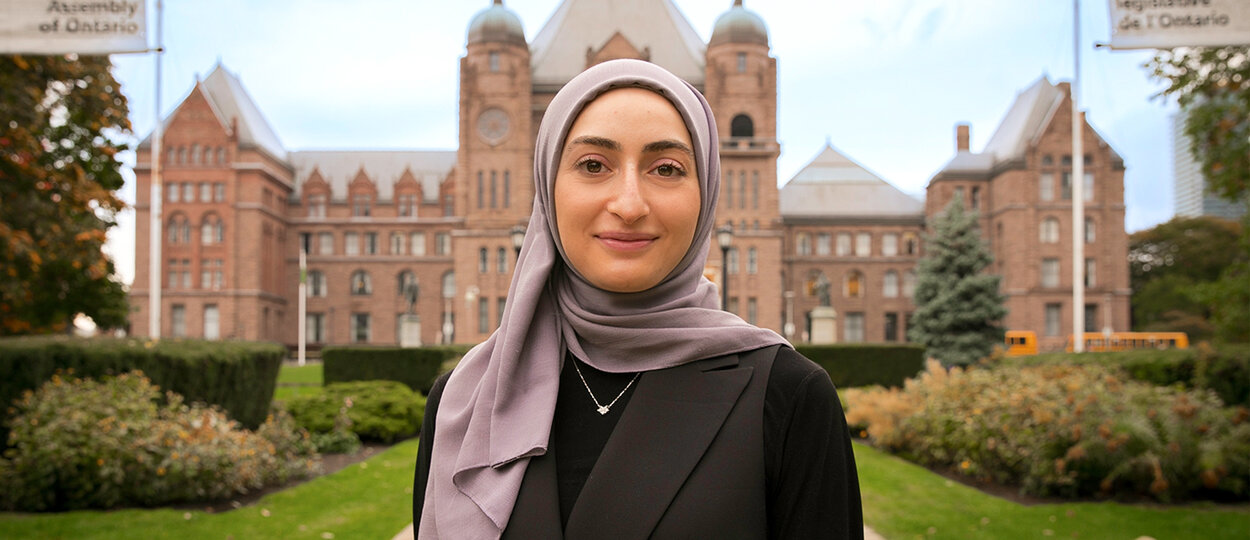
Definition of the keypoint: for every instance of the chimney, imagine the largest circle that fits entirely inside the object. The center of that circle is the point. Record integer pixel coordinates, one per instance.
(961, 137)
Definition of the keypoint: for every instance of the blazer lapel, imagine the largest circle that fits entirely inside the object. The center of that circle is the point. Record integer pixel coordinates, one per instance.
(667, 426)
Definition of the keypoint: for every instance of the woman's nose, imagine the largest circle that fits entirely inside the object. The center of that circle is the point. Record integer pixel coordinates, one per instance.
(628, 201)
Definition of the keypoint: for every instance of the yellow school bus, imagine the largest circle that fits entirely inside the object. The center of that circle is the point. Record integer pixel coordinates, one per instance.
(1125, 341)
(1021, 343)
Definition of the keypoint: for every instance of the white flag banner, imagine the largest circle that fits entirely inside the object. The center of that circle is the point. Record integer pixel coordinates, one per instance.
(1165, 24)
(83, 26)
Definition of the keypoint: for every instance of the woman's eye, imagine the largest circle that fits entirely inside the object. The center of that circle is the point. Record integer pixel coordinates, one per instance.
(592, 166)
(669, 169)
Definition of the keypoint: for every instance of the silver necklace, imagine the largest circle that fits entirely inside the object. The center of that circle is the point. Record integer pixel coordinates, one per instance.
(603, 409)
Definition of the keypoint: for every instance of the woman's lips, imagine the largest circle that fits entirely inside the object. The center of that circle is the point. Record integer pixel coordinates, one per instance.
(622, 241)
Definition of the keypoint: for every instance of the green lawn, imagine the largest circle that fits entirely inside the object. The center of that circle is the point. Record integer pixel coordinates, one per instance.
(370, 500)
(903, 501)
(309, 374)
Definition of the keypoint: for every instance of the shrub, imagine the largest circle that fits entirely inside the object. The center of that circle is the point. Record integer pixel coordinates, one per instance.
(1071, 431)
(415, 367)
(237, 376)
(382, 411)
(851, 365)
(83, 443)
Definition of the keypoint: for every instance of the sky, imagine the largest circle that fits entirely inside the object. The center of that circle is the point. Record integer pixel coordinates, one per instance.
(885, 82)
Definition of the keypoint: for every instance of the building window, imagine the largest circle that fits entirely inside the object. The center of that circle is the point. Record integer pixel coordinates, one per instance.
(500, 304)
(889, 244)
(1050, 231)
(351, 243)
(371, 243)
(1091, 317)
(449, 206)
(407, 205)
(219, 192)
(481, 261)
(1091, 231)
(188, 192)
(325, 243)
(305, 242)
(1091, 272)
(1053, 312)
(733, 305)
(449, 285)
(483, 315)
(175, 194)
(1046, 187)
(755, 190)
(418, 244)
(752, 310)
(501, 260)
(976, 198)
(1066, 186)
(890, 290)
(361, 283)
(315, 327)
(742, 193)
(742, 62)
(853, 284)
(179, 320)
(741, 126)
(507, 189)
(316, 284)
(195, 154)
(212, 324)
(212, 230)
(909, 283)
(752, 261)
(361, 205)
(494, 61)
(1050, 272)
(397, 243)
(803, 244)
(863, 244)
(406, 279)
(854, 332)
(844, 244)
(360, 328)
(911, 245)
(211, 276)
(1089, 186)
(494, 185)
(442, 244)
(481, 190)
(206, 192)
(731, 265)
(729, 189)
(823, 241)
(219, 276)
(891, 326)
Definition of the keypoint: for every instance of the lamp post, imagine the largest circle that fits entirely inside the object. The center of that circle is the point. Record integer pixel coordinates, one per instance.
(724, 237)
(518, 238)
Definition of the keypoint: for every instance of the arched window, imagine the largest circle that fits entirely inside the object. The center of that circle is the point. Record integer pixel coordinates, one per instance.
(853, 284)
(179, 230)
(406, 279)
(741, 126)
(501, 260)
(195, 154)
(449, 285)
(221, 156)
(316, 284)
(481, 261)
(182, 155)
(212, 230)
(1049, 233)
(890, 288)
(361, 284)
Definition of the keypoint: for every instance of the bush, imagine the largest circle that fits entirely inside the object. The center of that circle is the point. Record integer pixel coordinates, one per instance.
(237, 376)
(866, 364)
(1071, 431)
(382, 411)
(415, 367)
(1225, 370)
(103, 444)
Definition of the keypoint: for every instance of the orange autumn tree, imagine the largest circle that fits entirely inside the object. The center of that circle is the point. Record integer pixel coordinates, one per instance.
(60, 120)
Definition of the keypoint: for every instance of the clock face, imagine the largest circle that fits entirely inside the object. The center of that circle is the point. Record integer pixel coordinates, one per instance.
(492, 125)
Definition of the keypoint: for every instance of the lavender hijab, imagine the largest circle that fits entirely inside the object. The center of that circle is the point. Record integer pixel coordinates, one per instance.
(497, 408)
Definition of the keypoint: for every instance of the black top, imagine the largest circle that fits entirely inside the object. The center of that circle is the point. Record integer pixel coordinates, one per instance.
(807, 448)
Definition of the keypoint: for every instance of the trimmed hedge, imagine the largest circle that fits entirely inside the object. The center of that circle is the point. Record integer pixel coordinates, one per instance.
(384, 411)
(866, 364)
(1226, 370)
(416, 367)
(237, 376)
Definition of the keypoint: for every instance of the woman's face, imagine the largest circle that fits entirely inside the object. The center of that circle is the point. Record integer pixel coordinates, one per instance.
(627, 192)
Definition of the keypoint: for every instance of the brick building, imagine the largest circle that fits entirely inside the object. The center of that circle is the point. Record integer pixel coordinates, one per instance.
(239, 206)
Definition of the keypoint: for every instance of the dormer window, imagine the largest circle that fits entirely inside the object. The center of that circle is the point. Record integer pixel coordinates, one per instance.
(361, 205)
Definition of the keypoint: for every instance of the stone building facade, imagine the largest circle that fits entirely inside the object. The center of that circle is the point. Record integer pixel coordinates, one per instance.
(239, 207)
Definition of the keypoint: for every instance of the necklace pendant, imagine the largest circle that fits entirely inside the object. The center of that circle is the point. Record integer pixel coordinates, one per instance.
(603, 410)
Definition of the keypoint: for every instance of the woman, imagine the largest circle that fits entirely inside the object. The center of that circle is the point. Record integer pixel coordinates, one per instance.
(616, 400)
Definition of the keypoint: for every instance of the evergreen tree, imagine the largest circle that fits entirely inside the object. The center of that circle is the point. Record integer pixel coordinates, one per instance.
(958, 306)
(58, 174)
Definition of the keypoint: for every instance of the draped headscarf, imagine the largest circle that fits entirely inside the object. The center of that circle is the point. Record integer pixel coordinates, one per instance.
(497, 408)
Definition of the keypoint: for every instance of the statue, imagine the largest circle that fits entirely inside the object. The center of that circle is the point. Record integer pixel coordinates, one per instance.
(411, 292)
(822, 290)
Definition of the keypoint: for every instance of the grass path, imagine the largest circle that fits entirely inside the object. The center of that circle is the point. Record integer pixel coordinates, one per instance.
(904, 501)
(371, 499)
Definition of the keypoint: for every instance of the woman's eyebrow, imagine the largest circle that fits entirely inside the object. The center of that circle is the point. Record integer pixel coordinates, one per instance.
(602, 142)
(668, 144)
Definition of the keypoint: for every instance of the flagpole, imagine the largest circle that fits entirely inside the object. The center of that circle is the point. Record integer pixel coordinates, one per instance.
(155, 237)
(1078, 192)
(303, 315)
